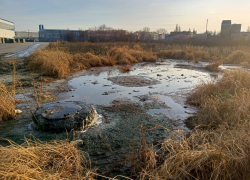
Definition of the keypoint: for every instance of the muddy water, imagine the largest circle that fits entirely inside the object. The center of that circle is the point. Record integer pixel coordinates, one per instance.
(153, 105)
(176, 79)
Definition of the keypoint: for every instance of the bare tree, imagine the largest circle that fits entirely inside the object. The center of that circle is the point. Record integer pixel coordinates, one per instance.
(102, 27)
(161, 31)
(146, 29)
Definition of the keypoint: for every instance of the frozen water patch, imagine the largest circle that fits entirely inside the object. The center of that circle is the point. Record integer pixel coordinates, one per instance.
(24, 53)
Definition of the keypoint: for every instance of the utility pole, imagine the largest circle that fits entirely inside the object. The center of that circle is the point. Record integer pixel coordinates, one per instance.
(206, 26)
(28, 33)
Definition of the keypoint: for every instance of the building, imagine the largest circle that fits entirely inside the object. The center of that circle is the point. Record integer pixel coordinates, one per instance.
(169, 37)
(7, 30)
(242, 36)
(161, 36)
(236, 28)
(188, 33)
(27, 35)
(225, 26)
(200, 36)
(155, 36)
(52, 35)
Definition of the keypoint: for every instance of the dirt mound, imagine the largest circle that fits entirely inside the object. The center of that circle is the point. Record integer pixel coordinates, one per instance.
(133, 81)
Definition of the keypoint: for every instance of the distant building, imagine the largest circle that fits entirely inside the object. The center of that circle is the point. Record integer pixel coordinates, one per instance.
(236, 28)
(225, 26)
(188, 33)
(7, 30)
(240, 36)
(181, 37)
(52, 35)
(169, 37)
(27, 35)
(161, 36)
(155, 36)
(200, 36)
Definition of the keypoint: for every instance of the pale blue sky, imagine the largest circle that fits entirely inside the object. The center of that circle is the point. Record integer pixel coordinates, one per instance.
(131, 15)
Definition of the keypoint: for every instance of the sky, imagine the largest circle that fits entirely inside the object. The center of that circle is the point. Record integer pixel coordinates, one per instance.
(131, 15)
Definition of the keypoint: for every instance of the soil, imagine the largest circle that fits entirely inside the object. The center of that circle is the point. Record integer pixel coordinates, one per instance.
(133, 81)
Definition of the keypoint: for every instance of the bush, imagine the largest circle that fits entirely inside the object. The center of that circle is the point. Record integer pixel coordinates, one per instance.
(238, 57)
(52, 63)
(7, 105)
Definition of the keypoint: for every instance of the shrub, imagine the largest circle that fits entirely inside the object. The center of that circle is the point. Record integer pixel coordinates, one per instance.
(214, 66)
(52, 63)
(7, 105)
(238, 57)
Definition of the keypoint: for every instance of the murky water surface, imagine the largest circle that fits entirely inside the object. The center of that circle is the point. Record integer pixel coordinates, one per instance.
(95, 88)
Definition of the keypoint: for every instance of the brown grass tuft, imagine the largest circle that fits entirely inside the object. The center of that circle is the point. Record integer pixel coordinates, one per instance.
(214, 66)
(187, 54)
(125, 55)
(37, 160)
(238, 57)
(205, 154)
(7, 105)
(124, 69)
(52, 63)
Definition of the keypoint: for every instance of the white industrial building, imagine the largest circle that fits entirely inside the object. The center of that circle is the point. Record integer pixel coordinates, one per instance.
(7, 30)
(27, 35)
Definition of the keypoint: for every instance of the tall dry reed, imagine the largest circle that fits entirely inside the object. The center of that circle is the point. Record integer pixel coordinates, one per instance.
(7, 105)
(37, 160)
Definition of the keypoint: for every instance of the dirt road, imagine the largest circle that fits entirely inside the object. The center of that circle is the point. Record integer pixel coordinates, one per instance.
(10, 48)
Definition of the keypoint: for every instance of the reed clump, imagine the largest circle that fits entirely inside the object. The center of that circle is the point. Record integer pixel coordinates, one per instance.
(125, 55)
(7, 105)
(52, 63)
(124, 69)
(59, 63)
(224, 101)
(238, 57)
(37, 160)
(188, 54)
(206, 154)
(214, 66)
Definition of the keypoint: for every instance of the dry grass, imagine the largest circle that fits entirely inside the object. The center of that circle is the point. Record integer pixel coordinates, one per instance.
(224, 101)
(188, 54)
(205, 154)
(219, 146)
(238, 57)
(125, 55)
(7, 105)
(59, 63)
(124, 69)
(37, 160)
(214, 66)
(232, 83)
(52, 63)
(59, 59)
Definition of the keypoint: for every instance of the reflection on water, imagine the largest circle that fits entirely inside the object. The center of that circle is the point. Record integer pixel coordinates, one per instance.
(104, 91)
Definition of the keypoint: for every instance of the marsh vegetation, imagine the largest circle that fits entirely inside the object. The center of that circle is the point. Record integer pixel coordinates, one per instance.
(216, 148)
